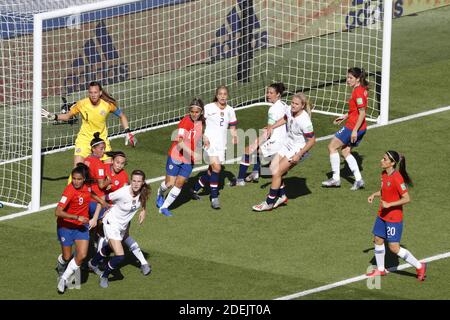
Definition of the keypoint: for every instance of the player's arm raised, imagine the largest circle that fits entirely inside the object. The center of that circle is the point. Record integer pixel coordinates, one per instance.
(55, 116)
(130, 139)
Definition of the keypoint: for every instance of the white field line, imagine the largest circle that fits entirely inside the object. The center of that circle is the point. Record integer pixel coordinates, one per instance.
(407, 118)
(356, 279)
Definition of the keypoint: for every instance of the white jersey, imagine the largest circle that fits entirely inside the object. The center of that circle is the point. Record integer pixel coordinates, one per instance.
(299, 128)
(275, 113)
(216, 124)
(123, 209)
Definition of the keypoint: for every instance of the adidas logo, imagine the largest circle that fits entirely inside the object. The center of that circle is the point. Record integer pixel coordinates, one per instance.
(357, 2)
(228, 35)
(99, 62)
(367, 13)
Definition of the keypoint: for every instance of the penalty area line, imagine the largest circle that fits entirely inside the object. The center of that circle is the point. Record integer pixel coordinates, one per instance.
(407, 118)
(358, 278)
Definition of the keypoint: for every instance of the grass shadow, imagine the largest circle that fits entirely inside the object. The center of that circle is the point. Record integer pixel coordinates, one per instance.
(295, 187)
(345, 172)
(55, 179)
(185, 194)
(391, 260)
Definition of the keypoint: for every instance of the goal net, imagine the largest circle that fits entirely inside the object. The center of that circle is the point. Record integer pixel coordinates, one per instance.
(154, 56)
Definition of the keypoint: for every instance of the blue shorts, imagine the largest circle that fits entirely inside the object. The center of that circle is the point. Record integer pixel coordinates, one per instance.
(390, 231)
(68, 236)
(345, 135)
(92, 207)
(177, 168)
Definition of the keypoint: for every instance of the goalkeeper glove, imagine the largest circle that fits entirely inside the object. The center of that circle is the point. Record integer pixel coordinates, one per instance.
(130, 139)
(48, 115)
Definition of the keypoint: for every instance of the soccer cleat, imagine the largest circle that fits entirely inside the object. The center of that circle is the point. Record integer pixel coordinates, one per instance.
(165, 212)
(194, 195)
(146, 269)
(252, 177)
(357, 185)
(159, 201)
(215, 204)
(263, 206)
(61, 286)
(331, 183)
(280, 201)
(376, 272)
(104, 282)
(421, 272)
(94, 269)
(237, 182)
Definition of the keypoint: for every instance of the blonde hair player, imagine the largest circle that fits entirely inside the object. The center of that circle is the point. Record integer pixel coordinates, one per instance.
(300, 139)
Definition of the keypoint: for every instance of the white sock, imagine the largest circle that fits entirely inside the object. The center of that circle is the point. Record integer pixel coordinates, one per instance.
(353, 165)
(379, 256)
(173, 194)
(71, 268)
(335, 161)
(100, 243)
(138, 253)
(162, 188)
(408, 257)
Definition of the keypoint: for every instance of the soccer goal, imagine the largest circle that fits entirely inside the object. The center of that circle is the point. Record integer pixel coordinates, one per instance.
(153, 56)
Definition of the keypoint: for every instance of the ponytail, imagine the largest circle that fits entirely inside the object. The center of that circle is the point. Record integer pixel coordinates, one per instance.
(105, 95)
(403, 172)
(97, 140)
(359, 73)
(401, 161)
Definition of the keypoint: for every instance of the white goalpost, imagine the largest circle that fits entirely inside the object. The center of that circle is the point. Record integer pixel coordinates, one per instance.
(154, 56)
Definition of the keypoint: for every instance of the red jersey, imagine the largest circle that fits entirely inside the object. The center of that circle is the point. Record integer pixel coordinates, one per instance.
(96, 172)
(392, 188)
(356, 102)
(118, 180)
(74, 201)
(191, 133)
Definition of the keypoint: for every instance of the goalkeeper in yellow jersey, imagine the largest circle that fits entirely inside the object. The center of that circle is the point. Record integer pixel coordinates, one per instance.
(94, 111)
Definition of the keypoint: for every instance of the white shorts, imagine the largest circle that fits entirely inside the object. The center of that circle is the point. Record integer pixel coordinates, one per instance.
(113, 231)
(270, 147)
(289, 152)
(213, 151)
